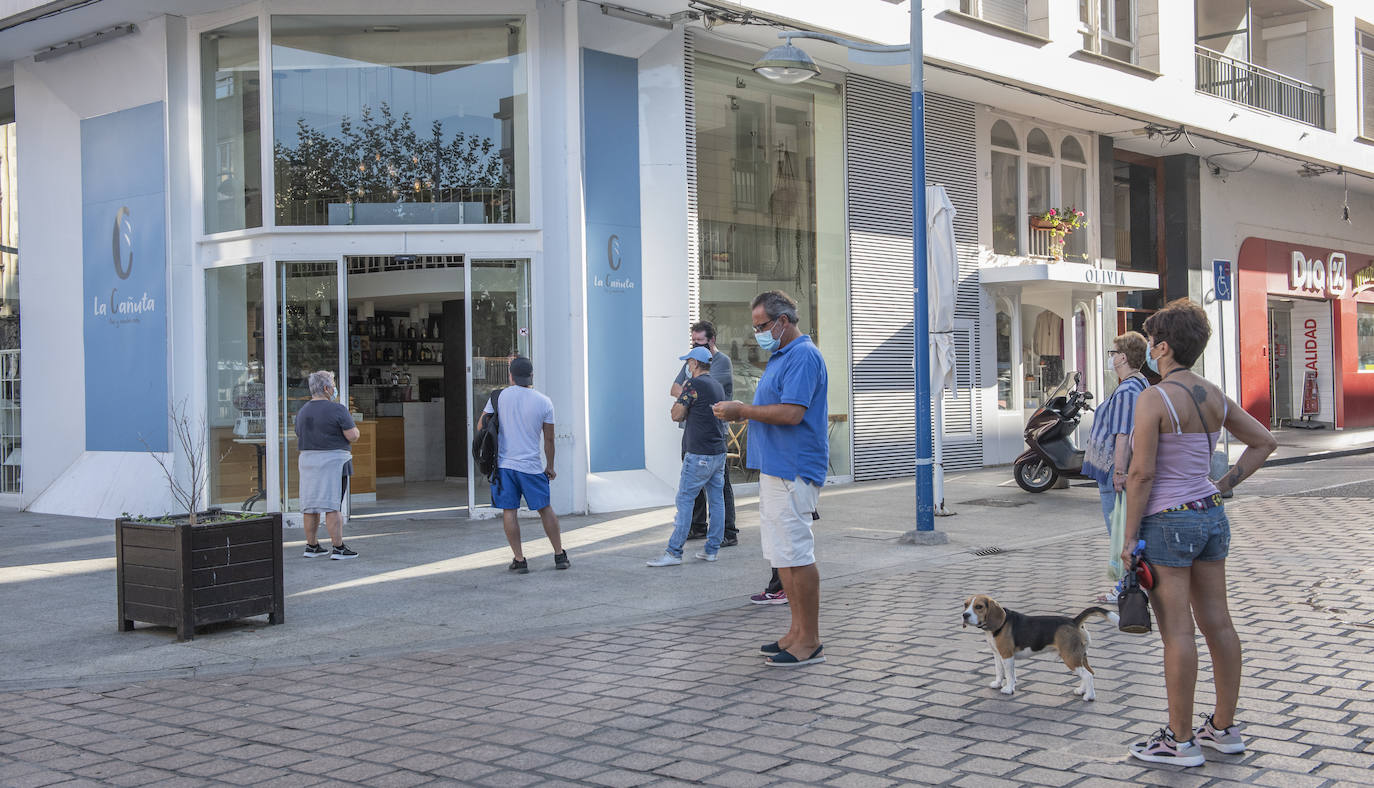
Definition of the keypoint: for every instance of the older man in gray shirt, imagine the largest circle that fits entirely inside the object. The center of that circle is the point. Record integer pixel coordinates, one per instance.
(723, 372)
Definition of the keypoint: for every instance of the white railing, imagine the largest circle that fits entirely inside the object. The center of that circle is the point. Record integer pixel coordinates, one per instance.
(1255, 86)
(1042, 243)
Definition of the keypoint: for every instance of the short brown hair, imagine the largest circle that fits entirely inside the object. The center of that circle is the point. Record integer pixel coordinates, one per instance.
(1132, 344)
(1183, 324)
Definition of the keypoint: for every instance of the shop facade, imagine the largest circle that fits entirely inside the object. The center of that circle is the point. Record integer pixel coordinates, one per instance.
(391, 197)
(1306, 318)
(410, 198)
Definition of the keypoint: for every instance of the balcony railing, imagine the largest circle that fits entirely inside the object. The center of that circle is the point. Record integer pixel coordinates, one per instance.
(1255, 86)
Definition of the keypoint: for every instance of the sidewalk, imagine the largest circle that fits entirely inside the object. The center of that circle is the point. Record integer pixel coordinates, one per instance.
(682, 696)
(440, 582)
(1298, 445)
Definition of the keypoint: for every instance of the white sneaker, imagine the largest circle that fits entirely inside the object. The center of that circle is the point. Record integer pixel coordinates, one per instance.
(705, 556)
(1164, 748)
(667, 559)
(1227, 740)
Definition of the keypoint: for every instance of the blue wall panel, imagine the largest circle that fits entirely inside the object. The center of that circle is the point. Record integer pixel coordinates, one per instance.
(615, 308)
(124, 279)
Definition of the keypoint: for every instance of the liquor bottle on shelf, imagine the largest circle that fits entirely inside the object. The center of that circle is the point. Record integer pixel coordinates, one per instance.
(410, 332)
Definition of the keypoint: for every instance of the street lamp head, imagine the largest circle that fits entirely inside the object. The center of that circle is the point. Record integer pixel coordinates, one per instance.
(786, 64)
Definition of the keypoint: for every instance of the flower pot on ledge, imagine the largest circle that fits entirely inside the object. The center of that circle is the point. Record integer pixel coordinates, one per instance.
(1044, 224)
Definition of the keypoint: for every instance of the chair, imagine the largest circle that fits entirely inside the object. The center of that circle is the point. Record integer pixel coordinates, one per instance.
(736, 443)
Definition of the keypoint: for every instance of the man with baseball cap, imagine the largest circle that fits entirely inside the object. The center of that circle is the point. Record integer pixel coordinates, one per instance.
(525, 416)
(703, 461)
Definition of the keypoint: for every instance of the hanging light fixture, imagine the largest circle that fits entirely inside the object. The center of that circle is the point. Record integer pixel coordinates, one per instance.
(786, 64)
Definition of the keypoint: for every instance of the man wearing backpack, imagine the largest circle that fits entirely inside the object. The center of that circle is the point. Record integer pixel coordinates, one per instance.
(524, 416)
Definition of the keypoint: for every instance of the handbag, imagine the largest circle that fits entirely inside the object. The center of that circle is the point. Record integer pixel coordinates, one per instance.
(1133, 604)
(1115, 567)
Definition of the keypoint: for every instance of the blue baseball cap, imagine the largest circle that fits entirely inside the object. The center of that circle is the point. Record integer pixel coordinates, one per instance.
(697, 353)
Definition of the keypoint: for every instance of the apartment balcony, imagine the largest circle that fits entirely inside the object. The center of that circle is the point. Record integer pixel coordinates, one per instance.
(1255, 86)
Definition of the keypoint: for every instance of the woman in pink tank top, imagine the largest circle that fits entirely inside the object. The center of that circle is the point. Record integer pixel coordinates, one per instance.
(1176, 509)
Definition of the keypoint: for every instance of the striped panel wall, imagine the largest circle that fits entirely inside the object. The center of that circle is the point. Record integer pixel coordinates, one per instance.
(693, 242)
(878, 162)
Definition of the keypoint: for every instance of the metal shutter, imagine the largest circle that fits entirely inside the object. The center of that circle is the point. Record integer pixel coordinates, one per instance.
(693, 242)
(878, 161)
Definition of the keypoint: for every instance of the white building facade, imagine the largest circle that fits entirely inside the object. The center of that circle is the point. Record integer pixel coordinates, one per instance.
(408, 198)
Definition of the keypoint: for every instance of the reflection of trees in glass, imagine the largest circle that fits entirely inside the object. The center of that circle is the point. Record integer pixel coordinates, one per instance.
(382, 158)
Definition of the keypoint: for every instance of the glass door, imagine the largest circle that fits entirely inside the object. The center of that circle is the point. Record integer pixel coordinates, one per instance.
(498, 329)
(308, 329)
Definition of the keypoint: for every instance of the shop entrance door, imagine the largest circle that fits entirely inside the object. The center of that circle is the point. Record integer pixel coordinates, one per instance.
(499, 328)
(309, 324)
(1280, 366)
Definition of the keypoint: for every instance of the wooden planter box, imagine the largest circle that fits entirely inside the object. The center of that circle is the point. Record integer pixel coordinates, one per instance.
(176, 575)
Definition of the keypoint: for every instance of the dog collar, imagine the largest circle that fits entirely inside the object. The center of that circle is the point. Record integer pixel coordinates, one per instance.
(998, 630)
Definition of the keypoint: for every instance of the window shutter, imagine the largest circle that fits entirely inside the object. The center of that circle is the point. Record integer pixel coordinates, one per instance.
(1367, 92)
(1011, 13)
(878, 161)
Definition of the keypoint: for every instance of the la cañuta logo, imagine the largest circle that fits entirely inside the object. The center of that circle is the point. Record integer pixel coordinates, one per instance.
(122, 248)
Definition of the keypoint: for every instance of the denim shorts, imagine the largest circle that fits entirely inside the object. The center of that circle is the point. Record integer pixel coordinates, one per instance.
(1180, 538)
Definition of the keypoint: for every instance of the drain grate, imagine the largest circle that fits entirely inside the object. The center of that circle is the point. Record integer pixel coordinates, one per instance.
(984, 552)
(1000, 503)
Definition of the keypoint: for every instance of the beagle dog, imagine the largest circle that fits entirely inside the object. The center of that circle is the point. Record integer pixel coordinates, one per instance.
(1012, 635)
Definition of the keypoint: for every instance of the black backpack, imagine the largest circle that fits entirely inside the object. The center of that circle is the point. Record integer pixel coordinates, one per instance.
(485, 443)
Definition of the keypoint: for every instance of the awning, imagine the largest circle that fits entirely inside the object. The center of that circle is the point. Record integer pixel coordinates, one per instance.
(1072, 276)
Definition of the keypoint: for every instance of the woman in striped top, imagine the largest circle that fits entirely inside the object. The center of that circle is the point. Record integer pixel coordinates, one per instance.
(1108, 445)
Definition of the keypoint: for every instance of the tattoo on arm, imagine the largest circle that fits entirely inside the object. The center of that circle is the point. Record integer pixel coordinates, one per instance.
(1234, 477)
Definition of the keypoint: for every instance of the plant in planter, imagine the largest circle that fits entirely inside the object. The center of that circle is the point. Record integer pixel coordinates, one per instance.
(197, 567)
(1059, 223)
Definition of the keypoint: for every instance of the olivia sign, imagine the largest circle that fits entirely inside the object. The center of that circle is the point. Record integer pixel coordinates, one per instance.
(1326, 278)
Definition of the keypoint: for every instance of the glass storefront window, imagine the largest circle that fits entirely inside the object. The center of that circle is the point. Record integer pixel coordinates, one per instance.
(1042, 353)
(1365, 328)
(1005, 371)
(771, 205)
(236, 406)
(400, 120)
(11, 442)
(230, 112)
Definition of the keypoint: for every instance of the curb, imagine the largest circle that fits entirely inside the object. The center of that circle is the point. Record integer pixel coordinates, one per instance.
(1319, 455)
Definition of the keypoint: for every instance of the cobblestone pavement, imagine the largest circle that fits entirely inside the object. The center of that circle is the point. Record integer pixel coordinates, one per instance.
(903, 698)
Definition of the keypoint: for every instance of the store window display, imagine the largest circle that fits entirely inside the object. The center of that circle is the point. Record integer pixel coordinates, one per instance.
(1042, 353)
(771, 206)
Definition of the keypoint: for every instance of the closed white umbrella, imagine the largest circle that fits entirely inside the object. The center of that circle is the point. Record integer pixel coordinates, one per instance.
(942, 285)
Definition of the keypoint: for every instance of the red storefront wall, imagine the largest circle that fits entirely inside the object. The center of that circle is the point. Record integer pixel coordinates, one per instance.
(1264, 269)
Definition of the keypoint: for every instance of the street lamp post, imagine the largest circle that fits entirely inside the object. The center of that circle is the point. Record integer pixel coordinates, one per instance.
(790, 65)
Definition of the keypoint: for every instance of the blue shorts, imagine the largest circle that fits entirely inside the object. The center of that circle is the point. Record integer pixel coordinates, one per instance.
(1180, 538)
(510, 485)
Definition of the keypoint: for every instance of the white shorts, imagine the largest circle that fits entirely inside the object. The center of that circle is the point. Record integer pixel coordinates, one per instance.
(785, 508)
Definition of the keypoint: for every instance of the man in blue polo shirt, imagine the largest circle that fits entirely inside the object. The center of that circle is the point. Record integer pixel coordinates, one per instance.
(789, 447)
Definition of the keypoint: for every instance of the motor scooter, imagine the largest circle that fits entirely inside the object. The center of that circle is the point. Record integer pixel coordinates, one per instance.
(1049, 436)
